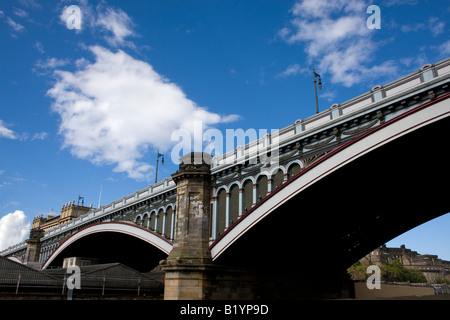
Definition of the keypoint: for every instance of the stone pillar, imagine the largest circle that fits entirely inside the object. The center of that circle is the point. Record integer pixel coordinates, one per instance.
(269, 186)
(172, 226)
(188, 264)
(33, 251)
(227, 210)
(255, 194)
(214, 218)
(33, 248)
(241, 203)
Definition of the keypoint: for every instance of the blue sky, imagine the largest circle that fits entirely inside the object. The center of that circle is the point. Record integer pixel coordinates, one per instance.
(84, 110)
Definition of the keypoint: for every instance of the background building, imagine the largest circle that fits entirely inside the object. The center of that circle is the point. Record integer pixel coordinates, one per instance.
(435, 270)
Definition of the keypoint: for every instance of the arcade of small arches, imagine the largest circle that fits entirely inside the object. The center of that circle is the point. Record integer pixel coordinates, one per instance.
(46, 251)
(160, 221)
(231, 201)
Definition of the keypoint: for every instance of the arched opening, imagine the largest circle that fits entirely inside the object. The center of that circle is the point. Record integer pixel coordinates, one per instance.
(160, 226)
(152, 222)
(168, 232)
(262, 187)
(221, 201)
(138, 220)
(293, 170)
(145, 221)
(248, 195)
(234, 204)
(112, 247)
(277, 179)
(112, 242)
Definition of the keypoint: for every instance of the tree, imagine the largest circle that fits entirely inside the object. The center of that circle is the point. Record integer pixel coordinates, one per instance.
(396, 272)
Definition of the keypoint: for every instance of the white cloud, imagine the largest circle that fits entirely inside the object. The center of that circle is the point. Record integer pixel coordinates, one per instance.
(291, 70)
(413, 28)
(434, 25)
(5, 132)
(45, 67)
(20, 13)
(51, 63)
(445, 48)
(39, 136)
(30, 3)
(337, 40)
(14, 228)
(113, 25)
(113, 110)
(39, 47)
(118, 23)
(16, 26)
(10, 134)
(328, 95)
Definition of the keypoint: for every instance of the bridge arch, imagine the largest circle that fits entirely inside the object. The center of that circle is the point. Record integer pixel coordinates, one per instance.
(277, 177)
(124, 228)
(251, 178)
(403, 132)
(262, 174)
(293, 167)
(262, 183)
(145, 220)
(169, 221)
(234, 203)
(235, 183)
(224, 187)
(159, 220)
(276, 169)
(152, 220)
(247, 194)
(170, 205)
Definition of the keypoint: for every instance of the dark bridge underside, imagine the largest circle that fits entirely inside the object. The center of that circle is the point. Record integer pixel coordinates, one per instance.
(317, 235)
(110, 247)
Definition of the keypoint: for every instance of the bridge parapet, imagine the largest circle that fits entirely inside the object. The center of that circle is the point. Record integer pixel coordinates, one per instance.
(17, 250)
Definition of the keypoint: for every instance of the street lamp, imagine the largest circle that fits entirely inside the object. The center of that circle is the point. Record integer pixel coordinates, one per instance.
(157, 161)
(315, 88)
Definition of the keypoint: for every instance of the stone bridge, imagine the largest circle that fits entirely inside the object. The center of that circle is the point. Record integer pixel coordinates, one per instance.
(264, 219)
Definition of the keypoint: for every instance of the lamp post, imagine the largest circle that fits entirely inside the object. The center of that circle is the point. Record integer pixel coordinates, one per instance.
(157, 161)
(315, 88)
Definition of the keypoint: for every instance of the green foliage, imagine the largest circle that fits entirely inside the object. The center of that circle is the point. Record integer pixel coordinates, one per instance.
(395, 271)
(442, 281)
(357, 271)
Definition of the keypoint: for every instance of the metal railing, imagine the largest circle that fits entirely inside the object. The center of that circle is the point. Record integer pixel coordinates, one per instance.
(39, 284)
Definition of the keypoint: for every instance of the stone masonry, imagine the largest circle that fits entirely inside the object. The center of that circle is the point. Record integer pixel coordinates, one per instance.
(189, 263)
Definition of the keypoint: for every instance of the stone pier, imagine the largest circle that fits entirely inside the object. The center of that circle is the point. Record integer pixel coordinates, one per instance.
(189, 265)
